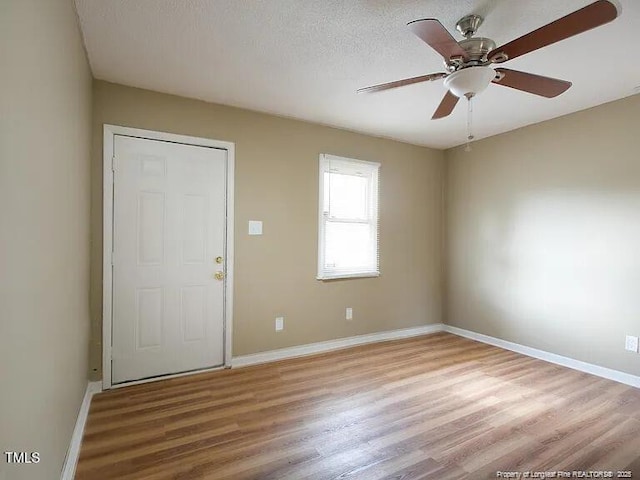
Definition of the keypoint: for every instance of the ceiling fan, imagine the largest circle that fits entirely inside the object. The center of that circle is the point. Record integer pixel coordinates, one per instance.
(468, 62)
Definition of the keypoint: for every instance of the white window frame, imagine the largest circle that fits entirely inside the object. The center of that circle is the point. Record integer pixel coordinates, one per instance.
(370, 170)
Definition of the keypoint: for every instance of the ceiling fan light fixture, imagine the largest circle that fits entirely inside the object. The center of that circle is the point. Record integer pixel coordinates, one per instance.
(469, 81)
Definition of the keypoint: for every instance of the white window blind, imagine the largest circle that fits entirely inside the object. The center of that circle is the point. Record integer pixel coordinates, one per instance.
(348, 218)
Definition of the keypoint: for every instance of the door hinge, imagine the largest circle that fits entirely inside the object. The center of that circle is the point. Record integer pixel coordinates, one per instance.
(113, 163)
(113, 258)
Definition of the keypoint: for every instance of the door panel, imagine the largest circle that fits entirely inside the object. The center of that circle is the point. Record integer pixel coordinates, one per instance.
(169, 227)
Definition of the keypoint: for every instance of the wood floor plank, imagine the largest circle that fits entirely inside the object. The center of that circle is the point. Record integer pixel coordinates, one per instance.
(432, 407)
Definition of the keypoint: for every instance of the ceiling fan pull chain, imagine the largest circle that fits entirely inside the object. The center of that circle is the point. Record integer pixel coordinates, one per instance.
(469, 122)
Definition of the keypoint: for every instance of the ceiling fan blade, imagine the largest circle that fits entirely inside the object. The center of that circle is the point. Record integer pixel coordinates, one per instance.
(402, 83)
(528, 82)
(437, 37)
(591, 16)
(446, 106)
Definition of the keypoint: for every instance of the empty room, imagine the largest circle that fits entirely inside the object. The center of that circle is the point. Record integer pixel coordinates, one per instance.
(342, 239)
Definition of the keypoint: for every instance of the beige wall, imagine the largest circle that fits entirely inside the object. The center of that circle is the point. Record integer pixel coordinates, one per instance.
(276, 182)
(45, 122)
(544, 235)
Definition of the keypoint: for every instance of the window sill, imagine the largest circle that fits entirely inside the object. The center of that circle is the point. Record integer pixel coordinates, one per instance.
(348, 275)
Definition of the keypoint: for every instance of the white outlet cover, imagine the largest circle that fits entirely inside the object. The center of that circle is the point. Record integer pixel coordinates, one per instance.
(279, 324)
(349, 313)
(255, 227)
(631, 343)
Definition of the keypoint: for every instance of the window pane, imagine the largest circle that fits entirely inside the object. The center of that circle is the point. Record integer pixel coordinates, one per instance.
(347, 196)
(348, 220)
(349, 246)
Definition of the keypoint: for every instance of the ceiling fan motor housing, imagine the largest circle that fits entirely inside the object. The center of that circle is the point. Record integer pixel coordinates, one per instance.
(477, 48)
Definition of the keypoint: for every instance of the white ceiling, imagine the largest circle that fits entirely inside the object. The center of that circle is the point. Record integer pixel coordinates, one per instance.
(306, 58)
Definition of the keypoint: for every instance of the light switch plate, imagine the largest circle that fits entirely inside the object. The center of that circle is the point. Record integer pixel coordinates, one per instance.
(631, 344)
(255, 227)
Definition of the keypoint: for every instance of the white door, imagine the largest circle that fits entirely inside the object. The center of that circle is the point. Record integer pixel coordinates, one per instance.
(168, 248)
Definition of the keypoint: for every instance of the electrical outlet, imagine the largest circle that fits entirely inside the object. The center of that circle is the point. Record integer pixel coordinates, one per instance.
(279, 324)
(631, 344)
(349, 313)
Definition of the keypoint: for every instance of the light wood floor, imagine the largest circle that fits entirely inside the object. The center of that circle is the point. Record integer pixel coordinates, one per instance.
(435, 407)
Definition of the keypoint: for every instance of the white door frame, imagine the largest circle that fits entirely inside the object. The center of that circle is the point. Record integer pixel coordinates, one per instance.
(107, 239)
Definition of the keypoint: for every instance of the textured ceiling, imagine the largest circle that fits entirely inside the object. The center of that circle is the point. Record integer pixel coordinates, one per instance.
(306, 58)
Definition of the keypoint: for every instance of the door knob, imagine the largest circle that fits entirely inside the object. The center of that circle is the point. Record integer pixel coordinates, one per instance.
(218, 259)
(219, 275)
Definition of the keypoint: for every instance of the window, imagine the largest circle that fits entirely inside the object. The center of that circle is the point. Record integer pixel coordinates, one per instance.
(348, 218)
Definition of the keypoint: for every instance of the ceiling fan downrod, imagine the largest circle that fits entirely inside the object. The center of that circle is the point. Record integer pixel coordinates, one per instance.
(468, 25)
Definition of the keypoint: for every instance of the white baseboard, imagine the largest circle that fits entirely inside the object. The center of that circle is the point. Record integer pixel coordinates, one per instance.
(71, 460)
(311, 348)
(320, 347)
(597, 370)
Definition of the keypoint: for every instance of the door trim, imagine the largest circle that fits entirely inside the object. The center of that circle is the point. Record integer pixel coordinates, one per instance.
(109, 132)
